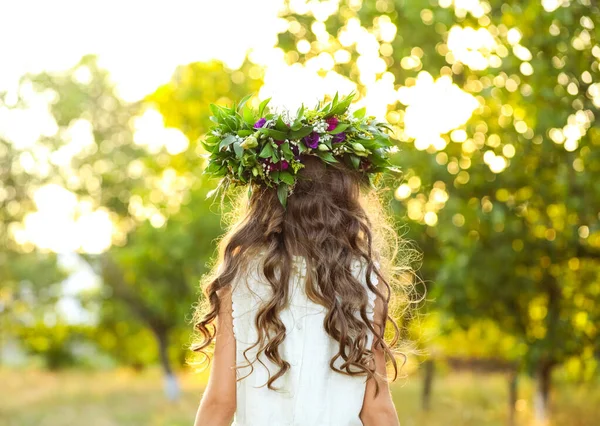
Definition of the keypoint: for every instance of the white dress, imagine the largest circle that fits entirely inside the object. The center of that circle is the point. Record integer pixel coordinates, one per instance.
(310, 393)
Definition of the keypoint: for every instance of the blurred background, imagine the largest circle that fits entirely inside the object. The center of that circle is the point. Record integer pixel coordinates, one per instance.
(105, 228)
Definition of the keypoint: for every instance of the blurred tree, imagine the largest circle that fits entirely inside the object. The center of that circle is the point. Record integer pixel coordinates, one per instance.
(506, 207)
(148, 178)
(57, 343)
(28, 277)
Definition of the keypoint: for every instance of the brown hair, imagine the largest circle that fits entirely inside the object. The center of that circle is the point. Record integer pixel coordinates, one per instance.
(332, 218)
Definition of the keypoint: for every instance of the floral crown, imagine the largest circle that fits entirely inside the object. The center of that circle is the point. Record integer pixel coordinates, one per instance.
(265, 147)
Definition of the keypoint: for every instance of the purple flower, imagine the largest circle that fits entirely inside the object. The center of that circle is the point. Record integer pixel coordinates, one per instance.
(260, 123)
(312, 140)
(283, 165)
(295, 151)
(278, 142)
(332, 123)
(340, 137)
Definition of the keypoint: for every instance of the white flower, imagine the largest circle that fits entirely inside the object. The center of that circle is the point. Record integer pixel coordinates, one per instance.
(320, 126)
(326, 137)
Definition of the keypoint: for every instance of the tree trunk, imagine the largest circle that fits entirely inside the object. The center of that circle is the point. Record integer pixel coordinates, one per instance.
(429, 370)
(512, 397)
(542, 394)
(171, 385)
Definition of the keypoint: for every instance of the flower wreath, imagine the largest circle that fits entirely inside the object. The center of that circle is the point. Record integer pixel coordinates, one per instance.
(265, 147)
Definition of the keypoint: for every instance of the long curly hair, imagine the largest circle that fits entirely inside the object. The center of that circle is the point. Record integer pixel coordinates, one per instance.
(332, 217)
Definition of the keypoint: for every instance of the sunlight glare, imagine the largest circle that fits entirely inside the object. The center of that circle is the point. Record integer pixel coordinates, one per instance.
(151, 133)
(62, 224)
(434, 108)
(471, 47)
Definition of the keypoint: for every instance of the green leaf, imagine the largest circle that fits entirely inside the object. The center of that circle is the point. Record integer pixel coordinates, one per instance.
(213, 168)
(355, 161)
(232, 122)
(244, 100)
(286, 177)
(212, 139)
(209, 147)
(280, 125)
(215, 110)
(339, 128)
(286, 151)
(282, 193)
(239, 151)
(248, 116)
(267, 151)
(342, 106)
(275, 176)
(327, 157)
(300, 113)
(262, 106)
(360, 113)
(275, 134)
(244, 133)
(228, 140)
(298, 134)
(275, 156)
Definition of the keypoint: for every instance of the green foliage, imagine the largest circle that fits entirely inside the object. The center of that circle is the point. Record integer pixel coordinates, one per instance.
(56, 344)
(150, 276)
(507, 246)
(270, 152)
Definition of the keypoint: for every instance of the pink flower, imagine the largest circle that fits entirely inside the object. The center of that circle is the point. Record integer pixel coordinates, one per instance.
(332, 123)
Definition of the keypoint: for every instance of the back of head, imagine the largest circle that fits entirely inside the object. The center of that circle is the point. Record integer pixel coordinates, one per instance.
(326, 222)
(323, 212)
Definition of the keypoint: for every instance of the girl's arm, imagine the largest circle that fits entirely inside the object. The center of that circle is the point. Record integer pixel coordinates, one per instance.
(380, 410)
(219, 399)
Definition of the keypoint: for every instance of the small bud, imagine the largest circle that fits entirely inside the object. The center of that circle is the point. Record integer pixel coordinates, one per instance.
(254, 171)
(323, 147)
(358, 147)
(249, 142)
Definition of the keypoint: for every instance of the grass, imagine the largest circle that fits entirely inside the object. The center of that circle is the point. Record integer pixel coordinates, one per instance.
(124, 398)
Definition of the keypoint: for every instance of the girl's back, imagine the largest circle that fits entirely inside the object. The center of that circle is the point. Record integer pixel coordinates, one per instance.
(297, 304)
(310, 392)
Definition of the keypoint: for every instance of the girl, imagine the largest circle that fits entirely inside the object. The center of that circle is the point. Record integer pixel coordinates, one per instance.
(299, 301)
